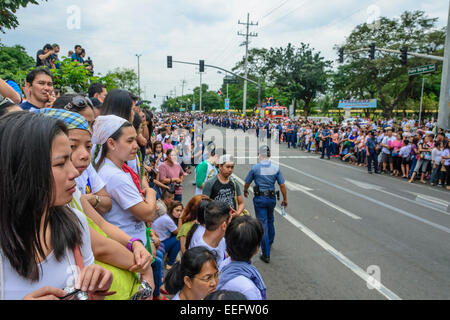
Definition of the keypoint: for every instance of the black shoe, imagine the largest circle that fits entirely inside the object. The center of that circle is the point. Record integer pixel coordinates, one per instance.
(321, 157)
(264, 258)
(369, 172)
(193, 183)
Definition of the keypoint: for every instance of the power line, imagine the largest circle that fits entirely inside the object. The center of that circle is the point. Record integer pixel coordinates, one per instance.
(275, 9)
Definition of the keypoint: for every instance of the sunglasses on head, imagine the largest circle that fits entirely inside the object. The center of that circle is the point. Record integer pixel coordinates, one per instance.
(78, 103)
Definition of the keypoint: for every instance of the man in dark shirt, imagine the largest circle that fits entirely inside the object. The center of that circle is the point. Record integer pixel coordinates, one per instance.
(43, 56)
(39, 88)
(224, 188)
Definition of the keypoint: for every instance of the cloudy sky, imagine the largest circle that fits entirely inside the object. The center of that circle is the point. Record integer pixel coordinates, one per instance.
(114, 31)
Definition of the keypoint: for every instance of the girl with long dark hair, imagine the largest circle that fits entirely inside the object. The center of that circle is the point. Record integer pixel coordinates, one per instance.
(42, 240)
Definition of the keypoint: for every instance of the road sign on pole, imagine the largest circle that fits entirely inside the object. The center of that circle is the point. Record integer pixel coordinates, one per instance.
(227, 104)
(423, 69)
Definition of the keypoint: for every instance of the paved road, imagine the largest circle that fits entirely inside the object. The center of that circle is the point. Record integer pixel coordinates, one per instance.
(351, 235)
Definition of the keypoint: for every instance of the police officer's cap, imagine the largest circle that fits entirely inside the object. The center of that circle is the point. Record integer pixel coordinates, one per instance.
(211, 147)
(264, 151)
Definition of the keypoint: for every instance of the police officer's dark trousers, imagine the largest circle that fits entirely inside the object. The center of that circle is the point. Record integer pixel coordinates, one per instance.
(372, 157)
(264, 210)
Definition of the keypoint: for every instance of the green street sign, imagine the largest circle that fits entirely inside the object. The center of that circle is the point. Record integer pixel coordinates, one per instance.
(422, 69)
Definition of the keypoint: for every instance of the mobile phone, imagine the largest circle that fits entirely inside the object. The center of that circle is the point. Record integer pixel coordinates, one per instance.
(69, 295)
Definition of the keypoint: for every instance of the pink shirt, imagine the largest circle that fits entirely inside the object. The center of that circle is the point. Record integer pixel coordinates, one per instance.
(167, 146)
(396, 144)
(175, 171)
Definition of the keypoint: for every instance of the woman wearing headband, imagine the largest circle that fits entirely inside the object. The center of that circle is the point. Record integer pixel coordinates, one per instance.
(132, 206)
(89, 183)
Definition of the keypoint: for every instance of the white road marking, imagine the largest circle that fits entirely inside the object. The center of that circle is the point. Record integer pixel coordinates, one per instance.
(338, 255)
(403, 212)
(296, 186)
(277, 157)
(307, 191)
(430, 203)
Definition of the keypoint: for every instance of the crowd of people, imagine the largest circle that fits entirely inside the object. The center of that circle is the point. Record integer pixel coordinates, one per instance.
(48, 57)
(92, 203)
(401, 148)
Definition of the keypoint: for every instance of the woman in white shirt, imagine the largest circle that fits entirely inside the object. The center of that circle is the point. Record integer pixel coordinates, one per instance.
(436, 157)
(131, 206)
(42, 241)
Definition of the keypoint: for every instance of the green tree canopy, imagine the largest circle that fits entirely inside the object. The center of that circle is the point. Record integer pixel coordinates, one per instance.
(13, 60)
(384, 77)
(122, 78)
(8, 8)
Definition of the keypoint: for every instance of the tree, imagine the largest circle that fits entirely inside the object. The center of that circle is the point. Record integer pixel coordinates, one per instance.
(300, 72)
(8, 8)
(13, 60)
(72, 75)
(122, 78)
(384, 78)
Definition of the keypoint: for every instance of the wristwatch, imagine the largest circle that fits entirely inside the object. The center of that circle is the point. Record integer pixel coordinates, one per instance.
(130, 243)
(144, 292)
(97, 201)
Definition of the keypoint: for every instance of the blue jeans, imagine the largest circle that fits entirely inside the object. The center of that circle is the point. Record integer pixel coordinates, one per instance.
(413, 166)
(157, 268)
(333, 148)
(172, 246)
(435, 174)
(264, 207)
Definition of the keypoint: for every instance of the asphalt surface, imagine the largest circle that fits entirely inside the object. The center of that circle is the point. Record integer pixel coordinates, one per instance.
(350, 235)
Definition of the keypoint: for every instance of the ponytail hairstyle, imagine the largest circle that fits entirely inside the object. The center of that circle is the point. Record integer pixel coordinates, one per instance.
(200, 219)
(190, 265)
(190, 211)
(104, 148)
(119, 103)
(27, 189)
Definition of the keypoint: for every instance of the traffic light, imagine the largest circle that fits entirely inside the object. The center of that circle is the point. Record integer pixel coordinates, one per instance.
(372, 51)
(404, 56)
(169, 61)
(341, 55)
(202, 65)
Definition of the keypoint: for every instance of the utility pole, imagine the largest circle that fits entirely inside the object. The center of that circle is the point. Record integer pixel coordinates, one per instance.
(183, 82)
(444, 99)
(201, 89)
(139, 75)
(421, 100)
(246, 35)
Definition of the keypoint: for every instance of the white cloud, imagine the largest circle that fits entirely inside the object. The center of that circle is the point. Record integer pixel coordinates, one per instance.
(114, 31)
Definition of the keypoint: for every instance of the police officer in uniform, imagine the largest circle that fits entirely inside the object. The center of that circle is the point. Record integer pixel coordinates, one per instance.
(265, 174)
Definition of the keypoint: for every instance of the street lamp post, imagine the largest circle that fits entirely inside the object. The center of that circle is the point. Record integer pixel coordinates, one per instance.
(139, 75)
